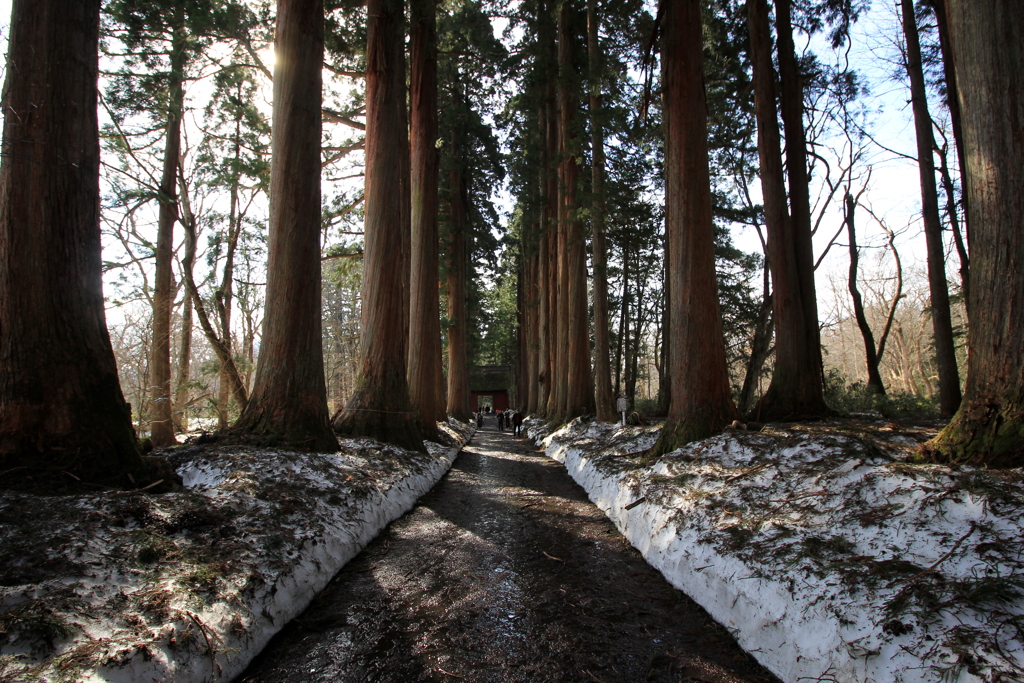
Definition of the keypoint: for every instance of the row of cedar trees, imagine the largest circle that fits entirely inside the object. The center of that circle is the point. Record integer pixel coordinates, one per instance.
(554, 336)
(62, 413)
(61, 408)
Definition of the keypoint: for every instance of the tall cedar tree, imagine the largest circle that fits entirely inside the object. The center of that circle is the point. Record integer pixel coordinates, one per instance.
(942, 323)
(551, 223)
(289, 398)
(424, 321)
(579, 387)
(61, 407)
(458, 309)
(791, 352)
(160, 408)
(701, 404)
(380, 406)
(602, 365)
(988, 429)
(797, 385)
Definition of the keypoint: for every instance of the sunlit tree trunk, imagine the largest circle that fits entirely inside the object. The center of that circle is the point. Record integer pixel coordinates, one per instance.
(988, 429)
(289, 398)
(62, 415)
(380, 406)
(701, 404)
(424, 321)
(942, 323)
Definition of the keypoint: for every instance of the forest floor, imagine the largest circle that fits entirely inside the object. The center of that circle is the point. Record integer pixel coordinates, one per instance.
(503, 572)
(189, 586)
(825, 548)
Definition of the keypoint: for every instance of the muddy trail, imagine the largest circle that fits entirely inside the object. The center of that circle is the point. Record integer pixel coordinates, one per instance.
(503, 572)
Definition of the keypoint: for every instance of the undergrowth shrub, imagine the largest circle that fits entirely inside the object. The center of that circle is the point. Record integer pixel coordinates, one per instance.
(856, 398)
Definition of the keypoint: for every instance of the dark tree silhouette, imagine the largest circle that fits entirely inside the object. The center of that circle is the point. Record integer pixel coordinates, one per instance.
(62, 415)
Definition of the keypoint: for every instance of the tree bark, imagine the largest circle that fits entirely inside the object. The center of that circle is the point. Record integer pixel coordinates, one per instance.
(942, 324)
(701, 403)
(602, 360)
(160, 411)
(380, 406)
(555, 378)
(796, 389)
(424, 320)
(579, 388)
(62, 415)
(289, 398)
(458, 370)
(988, 429)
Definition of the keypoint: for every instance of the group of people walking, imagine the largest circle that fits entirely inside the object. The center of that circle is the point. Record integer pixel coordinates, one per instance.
(507, 419)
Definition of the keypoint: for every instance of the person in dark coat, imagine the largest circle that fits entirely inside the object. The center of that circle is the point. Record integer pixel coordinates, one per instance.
(501, 421)
(517, 423)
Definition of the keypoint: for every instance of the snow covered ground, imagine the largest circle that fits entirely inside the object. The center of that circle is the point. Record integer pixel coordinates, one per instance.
(827, 552)
(189, 586)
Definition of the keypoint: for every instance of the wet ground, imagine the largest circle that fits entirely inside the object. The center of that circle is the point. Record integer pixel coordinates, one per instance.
(503, 572)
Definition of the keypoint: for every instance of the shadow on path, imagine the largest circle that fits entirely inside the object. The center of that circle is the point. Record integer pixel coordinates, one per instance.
(503, 572)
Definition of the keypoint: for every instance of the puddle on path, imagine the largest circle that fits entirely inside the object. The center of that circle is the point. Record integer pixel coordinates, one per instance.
(503, 572)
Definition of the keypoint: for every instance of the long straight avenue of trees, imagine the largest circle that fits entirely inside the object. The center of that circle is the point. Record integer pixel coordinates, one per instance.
(315, 245)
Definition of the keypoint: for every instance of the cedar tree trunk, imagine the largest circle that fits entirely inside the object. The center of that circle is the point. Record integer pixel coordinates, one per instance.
(160, 412)
(988, 429)
(579, 387)
(380, 406)
(424, 320)
(61, 408)
(796, 389)
(602, 359)
(701, 404)
(289, 397)
(458, 369)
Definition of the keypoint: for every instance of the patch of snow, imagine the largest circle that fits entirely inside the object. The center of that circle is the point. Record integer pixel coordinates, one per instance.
(827, 558)
(190, 586)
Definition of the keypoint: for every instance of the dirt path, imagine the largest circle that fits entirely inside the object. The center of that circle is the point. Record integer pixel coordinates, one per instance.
(503, 572)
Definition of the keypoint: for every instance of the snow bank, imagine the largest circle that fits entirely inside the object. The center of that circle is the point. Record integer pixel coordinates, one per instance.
(190, 586)
(827, 556)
